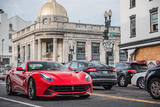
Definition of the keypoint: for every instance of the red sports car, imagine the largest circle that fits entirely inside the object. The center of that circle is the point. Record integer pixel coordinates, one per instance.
(47, 79)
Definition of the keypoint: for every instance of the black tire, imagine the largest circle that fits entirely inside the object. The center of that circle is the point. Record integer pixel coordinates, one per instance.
(140, 83)
(122, 81)
(107, 87)
(31, 89)
(154, 88)
(9, 86)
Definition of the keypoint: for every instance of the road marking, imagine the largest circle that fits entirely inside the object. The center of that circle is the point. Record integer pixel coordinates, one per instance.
(31, 105)
(125, 98)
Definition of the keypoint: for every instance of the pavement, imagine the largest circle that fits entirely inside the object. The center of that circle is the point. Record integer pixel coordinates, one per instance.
(116, 97)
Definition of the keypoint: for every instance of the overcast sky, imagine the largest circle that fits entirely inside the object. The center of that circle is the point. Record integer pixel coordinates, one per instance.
(87, 11)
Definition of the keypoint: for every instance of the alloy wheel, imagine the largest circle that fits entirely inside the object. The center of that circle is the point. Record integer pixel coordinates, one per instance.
(31, 89)
(141, 83)
(155, 88)
(122, 81)
(8, 86)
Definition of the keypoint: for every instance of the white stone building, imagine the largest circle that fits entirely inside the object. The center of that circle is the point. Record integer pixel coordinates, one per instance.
(53, 38)
(7, 27)
(140, 29)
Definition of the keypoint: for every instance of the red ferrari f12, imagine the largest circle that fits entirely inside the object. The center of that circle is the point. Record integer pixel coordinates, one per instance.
(47, 79)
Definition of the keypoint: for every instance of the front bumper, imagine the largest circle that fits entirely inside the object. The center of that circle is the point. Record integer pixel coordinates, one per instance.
(103, 82)
(45, 89)
(51, 93)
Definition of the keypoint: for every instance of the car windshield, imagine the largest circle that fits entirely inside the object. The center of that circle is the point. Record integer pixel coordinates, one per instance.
(122, 66)
(94, 64)
(38, 66)
(139, 67)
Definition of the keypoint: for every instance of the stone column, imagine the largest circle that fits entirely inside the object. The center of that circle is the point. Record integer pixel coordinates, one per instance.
(65, 50)
(102, 53)
(54, 49)
(39, 49)
(88, 51)
(75, 49)
(116, 52)
(14, 54)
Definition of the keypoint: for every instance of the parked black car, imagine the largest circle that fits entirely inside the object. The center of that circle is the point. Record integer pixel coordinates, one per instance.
(126, 70)
(102, 75)
(152, 82)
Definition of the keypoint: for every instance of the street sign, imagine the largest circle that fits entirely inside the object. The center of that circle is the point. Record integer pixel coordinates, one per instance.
(108, 45)
(112, 34)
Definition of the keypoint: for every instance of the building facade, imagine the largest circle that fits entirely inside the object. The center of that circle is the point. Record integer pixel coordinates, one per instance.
(7, 28)
(140, 29)
(53, 38)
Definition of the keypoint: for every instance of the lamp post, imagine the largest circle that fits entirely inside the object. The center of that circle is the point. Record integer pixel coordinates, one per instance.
(2, 50)
(107, 16)
(2, 54)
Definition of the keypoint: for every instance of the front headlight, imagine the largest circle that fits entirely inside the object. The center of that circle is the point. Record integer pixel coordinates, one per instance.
(87, 77)
(46, 77)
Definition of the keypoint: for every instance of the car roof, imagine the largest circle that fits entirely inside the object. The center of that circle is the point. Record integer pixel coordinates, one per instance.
(41, 61)
(134, 62)
(154, 68)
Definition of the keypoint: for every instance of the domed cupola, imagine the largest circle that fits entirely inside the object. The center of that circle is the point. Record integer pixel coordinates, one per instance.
(53, 10)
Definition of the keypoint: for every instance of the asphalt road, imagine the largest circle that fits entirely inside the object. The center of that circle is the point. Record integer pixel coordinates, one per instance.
(116, 97)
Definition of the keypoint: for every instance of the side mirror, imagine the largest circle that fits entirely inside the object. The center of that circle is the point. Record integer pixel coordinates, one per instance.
(19, 69)
(70, 68)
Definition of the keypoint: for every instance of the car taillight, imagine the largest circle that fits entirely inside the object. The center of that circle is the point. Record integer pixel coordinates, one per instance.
(3, 74)
(113, 70)
(91, 70)
(132, 71)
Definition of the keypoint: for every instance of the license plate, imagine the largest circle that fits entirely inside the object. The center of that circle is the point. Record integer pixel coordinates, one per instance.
(105, 72)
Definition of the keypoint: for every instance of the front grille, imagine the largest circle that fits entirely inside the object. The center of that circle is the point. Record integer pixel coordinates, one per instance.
(69, 88)
(47, 92)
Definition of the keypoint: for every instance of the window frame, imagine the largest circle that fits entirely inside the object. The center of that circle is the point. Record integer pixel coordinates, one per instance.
(10, 26)
(10, 36)
(6, 60)
(131, 4)
(10, 49)
(132, 18)
(98, 52)
(83, 46)
(18, 54)
(49, 46)
(153, 11)
(29, 52)
(24, 53)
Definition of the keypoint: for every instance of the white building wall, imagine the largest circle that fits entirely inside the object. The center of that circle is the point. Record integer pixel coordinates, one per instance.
(17, 24)
(142, 19)
(4, 29)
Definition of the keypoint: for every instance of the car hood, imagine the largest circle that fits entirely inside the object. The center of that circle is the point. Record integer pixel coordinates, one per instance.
(66, 77)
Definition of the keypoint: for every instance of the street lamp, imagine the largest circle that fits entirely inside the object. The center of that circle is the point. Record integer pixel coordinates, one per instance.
(2, 50)
(107, 16)
(2, 54)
